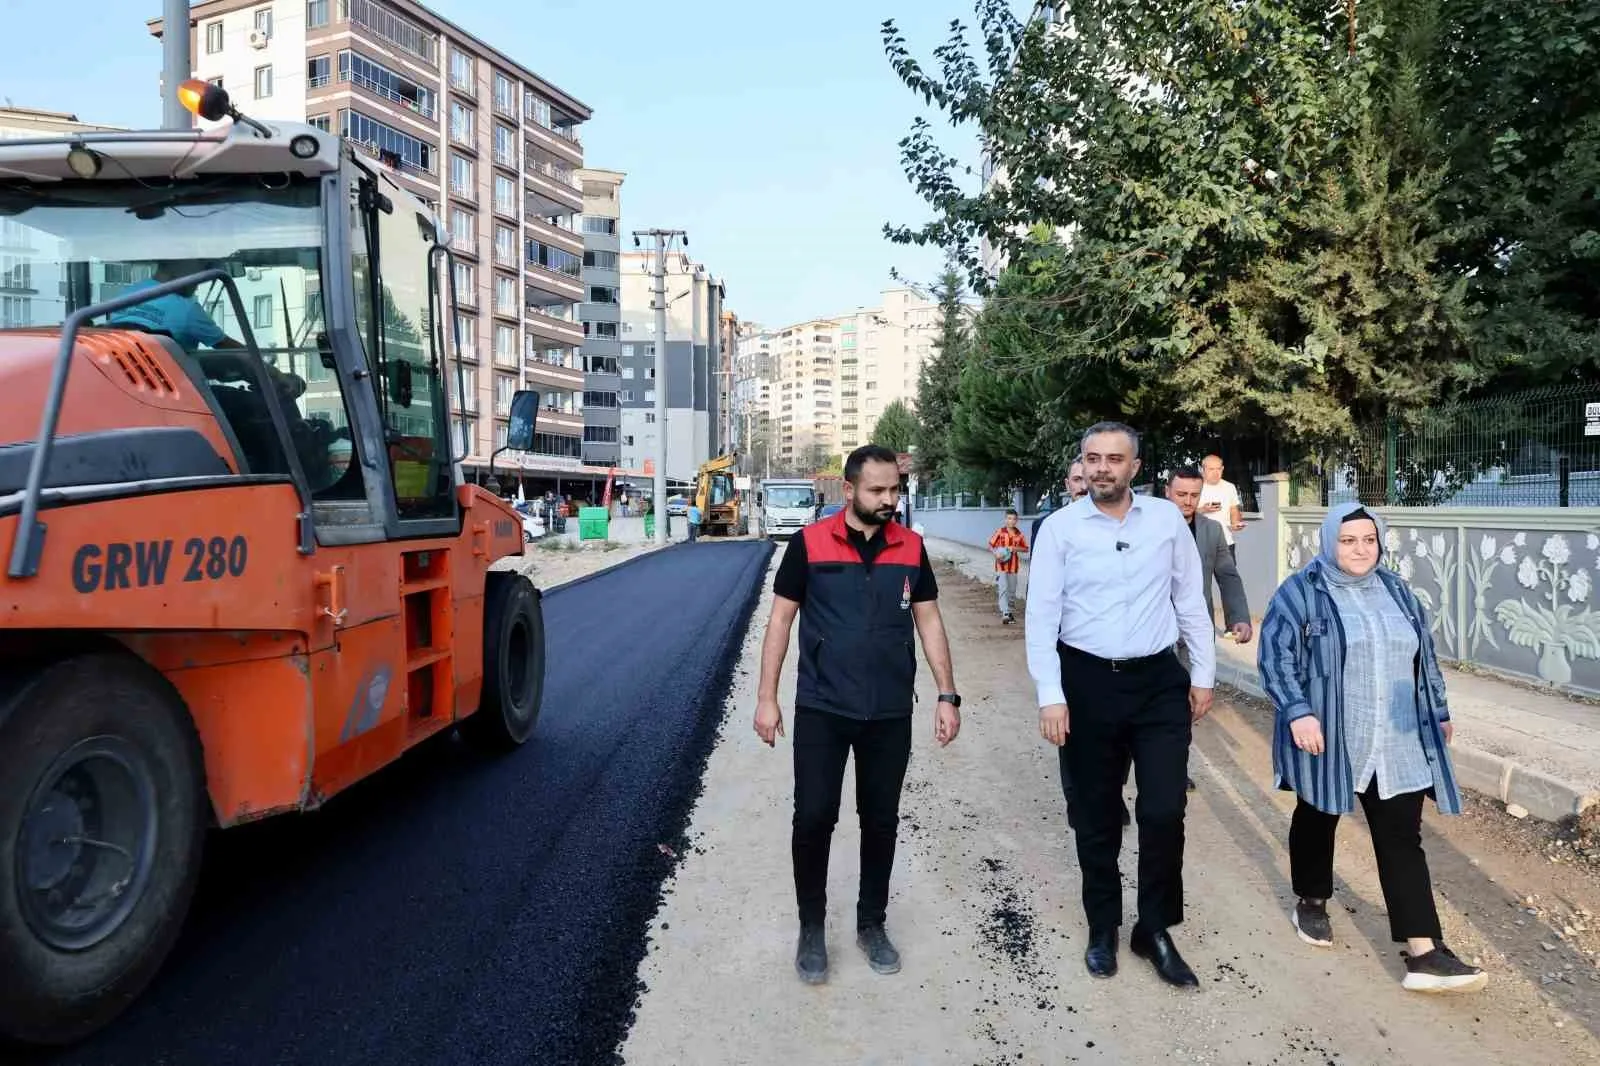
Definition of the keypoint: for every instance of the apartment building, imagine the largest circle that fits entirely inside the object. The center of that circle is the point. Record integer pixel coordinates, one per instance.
(692, 344)
(601, 314)
(881, 352)
(804, 399)
(489, 144)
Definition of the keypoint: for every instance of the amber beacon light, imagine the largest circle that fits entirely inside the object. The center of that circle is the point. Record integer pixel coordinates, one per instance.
(204, 99)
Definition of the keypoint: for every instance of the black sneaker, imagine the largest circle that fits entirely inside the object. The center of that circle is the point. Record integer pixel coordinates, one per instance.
(811, 957)
(1441, 971)
(1311, 922)
(881, 955)
(1007, 620)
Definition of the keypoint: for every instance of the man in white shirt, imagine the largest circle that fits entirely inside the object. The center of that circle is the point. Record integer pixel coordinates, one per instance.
(1219, 501)
(1115, 584)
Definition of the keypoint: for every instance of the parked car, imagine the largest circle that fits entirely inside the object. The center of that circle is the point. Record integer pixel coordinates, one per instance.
(830, 509)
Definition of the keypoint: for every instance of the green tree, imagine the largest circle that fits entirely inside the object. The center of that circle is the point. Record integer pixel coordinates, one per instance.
(939, 380)
(1520, 119)
(896, 427)
(1202, 220)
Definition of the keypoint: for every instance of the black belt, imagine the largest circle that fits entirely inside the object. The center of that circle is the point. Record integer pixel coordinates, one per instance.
(1117, 666)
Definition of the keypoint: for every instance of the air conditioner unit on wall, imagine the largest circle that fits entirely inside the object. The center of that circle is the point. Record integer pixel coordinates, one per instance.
(259, 38)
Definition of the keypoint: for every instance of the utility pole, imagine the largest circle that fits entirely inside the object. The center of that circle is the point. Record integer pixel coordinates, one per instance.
(175, 66)
(663, 240)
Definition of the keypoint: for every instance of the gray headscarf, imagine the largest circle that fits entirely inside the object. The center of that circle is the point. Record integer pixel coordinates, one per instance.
(1337, 515)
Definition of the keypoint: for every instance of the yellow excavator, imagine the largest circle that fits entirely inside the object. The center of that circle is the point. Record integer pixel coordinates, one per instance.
(721, 509)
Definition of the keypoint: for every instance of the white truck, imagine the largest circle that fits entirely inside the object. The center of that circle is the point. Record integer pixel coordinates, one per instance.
(788, 505)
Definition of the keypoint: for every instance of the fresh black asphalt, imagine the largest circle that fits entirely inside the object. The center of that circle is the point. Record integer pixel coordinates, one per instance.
(466, 909)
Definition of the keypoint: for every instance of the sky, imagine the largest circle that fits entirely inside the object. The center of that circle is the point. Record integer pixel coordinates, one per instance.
(767, 129)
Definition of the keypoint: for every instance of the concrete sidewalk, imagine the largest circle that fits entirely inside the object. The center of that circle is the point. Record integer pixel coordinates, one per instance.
(1514, 742)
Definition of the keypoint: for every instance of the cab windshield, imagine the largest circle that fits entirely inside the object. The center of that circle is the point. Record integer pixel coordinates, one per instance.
(791, 496)
(68, 245)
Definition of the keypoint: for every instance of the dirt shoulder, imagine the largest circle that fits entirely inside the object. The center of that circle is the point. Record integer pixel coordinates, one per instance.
(985, 909)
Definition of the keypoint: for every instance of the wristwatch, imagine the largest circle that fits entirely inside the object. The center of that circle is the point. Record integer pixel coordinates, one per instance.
(951, 698)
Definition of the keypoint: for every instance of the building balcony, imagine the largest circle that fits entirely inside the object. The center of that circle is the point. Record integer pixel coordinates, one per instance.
(560, 422)
(379, 22)
(558, 141)
(543, 375)
(547, 324)
(556, 190)
(553, 283)
(555, 236)
(467, 246)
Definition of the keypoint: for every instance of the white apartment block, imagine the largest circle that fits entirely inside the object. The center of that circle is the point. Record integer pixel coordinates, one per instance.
(882, 350)
(692, 361)
(803, 409)
(486, 142)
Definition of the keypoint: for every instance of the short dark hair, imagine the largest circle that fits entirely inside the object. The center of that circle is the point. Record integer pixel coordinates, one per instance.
(868, 453)
(1188, 472)
(1011, 512)
(1110, 427)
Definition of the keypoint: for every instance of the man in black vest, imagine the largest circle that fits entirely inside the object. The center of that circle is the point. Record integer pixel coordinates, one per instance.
(864, 590)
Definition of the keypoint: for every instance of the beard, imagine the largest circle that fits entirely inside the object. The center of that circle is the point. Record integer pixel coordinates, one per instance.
(872, 518)
(1111, 492)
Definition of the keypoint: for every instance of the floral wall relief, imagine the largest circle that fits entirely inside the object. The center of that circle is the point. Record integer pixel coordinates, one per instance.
(1554, 630)
(1438, 550)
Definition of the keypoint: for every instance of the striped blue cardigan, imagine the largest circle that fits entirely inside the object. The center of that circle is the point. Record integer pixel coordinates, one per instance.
(1301, 658)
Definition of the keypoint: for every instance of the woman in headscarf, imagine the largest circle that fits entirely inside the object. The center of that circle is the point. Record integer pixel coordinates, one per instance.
(1348, 660)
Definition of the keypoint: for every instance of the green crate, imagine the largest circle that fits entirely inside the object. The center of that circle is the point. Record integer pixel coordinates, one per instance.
(594, 523)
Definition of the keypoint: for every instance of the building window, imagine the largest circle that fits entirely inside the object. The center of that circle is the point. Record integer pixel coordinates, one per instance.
(461, 70)
(649, 397)
(600, 260)
(505, 145)
(505, 296)
(466, 278)
(263, 82)
(505, 95)
(505, 201)
(600, 434)
(557, 259)
(392, 146)
(505, 246)
(605, 330)
(463, 180)
(316, 13)
(379, 80)
(319, 71)
(627, 373)
(505, 344)
(319, 122)
(467, 325)
(463, 226)
(602, 294)
(599, 399)
(461, 123)
(214, 37)
(261, 318)
(592, 224)
(650, 418)
(264, 20)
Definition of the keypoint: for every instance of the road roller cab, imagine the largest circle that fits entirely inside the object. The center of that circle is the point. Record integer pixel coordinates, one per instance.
(243, 570)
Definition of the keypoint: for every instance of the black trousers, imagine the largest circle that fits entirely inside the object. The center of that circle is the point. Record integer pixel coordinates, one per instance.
(1396, 827)
(1143, 708)
(822, 743)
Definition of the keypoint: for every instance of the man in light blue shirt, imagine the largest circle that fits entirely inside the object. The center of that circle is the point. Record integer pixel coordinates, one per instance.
(1115, 585)
(694, 521)
(177, 314)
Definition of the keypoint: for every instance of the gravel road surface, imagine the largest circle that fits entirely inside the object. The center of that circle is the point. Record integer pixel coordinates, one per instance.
(465, 909)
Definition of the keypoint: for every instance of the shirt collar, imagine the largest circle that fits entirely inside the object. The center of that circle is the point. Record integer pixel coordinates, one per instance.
(1086, 509)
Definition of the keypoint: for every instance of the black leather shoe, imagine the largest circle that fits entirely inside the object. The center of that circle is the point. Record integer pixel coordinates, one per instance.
(1101, 955)
(1159, 949)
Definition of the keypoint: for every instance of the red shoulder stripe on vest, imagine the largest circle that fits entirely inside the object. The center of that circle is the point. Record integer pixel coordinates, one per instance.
(823, 546)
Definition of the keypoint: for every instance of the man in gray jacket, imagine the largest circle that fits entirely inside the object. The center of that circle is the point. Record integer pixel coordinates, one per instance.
(1183, 489)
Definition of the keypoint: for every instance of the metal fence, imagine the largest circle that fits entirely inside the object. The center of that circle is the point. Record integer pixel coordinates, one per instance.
(1533, 448)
